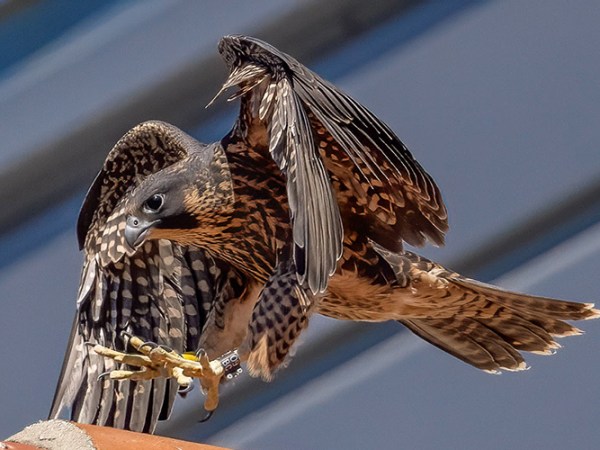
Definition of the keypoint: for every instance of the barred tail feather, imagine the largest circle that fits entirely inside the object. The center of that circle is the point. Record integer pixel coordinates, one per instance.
(530, 305)
(489, 326)
(469, 341)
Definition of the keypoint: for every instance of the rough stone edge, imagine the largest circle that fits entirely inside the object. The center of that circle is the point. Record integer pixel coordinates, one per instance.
(54, 435)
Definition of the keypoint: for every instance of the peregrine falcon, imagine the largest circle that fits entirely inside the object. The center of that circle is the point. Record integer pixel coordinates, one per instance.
(229, 248)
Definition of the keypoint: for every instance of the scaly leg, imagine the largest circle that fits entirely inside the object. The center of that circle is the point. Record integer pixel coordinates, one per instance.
(157, 361)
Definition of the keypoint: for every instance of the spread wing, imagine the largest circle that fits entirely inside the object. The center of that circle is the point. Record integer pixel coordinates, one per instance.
(161, 292)
(335, 154)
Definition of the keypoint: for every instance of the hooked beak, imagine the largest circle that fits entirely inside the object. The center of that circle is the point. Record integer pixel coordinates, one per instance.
(136, 230)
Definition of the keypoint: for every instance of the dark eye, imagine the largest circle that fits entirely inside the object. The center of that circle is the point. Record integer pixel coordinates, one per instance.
(154, 203)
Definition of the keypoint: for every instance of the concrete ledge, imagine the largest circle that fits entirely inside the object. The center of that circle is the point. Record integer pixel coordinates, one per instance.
(60, 434)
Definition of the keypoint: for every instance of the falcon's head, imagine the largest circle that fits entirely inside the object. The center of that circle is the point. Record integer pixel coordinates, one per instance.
(184, 202)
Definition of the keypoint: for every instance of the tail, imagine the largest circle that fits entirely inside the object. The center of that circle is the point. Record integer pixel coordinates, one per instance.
(483, 325)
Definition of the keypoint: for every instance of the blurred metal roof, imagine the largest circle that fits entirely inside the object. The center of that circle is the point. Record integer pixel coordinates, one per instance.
(71, 98)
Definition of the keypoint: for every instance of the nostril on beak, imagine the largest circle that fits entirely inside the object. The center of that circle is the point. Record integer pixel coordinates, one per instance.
(133, 231)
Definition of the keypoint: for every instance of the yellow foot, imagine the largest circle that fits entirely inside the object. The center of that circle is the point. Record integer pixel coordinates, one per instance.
(156, 361)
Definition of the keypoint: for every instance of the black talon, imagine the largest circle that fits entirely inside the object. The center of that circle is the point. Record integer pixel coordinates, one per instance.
(126, 334)
(150, 344)
(209, 414)
(126, 337)
(185, 390)
(104, 374)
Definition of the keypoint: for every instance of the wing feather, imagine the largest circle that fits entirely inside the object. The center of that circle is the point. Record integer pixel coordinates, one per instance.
(317, 227)
(153, 292)
(320, 137)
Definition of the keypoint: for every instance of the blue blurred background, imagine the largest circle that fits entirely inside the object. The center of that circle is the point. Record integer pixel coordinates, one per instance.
(500, 102)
